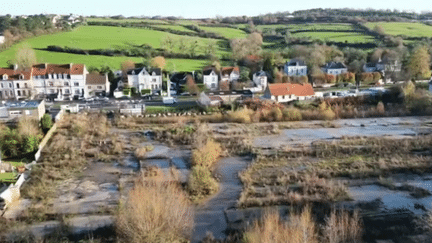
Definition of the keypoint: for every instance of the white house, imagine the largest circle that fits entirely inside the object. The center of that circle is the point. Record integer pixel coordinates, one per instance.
(142, 78)
(60, 81)
(230, 74)
(295, 68)
(97, 85)
(15, 84)
(211, 78)
(287, 92)
(382, 66)
(334, 68)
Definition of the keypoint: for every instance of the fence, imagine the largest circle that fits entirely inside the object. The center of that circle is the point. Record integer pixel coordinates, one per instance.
(12, 193)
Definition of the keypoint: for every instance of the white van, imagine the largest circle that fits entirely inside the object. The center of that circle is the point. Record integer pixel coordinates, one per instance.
(169, 100)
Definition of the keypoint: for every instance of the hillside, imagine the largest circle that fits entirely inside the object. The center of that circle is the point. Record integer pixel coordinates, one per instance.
(188, 44)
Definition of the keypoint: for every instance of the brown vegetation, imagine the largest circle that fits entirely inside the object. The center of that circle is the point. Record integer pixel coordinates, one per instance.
(155, 212)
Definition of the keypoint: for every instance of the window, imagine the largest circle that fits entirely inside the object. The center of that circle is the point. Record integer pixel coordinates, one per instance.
(213, 85)
(24, 93)
(50, 84)
(11, 93)
(89, 87)
(66, 91)
(25, 85)
(10, 85)
(27, 112)
(19, 93)
(99, 87)
(77, 91)
(66, 83)
(1, 85)
(154, 80)
(76, 84)
(18, 86)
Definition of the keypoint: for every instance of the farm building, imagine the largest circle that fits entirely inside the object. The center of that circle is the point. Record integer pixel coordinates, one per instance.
(287, 92)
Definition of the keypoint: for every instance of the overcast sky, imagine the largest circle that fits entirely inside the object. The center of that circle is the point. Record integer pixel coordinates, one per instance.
(194, 8)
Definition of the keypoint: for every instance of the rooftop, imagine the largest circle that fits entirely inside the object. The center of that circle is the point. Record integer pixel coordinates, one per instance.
(28, 104)
(291, 89)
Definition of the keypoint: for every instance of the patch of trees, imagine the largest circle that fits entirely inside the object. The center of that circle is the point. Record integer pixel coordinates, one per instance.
(144, 51)
(18, 28)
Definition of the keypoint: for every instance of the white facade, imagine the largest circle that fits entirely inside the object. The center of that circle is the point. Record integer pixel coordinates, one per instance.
(260, 79)
(211, 81)
(143, 79)
(2, 39)
(295, 68)
(334, 68)
(6, 89)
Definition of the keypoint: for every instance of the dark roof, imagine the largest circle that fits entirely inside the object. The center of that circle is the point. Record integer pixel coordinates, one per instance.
(334, 65)
(231, 92)
(136, 71)
(96, 79)
(29, 104)
(157, 71)
(296, 62)
(209, 69)
(262, 73)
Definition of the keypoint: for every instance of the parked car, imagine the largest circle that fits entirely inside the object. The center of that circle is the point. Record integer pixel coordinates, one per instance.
(169, 100)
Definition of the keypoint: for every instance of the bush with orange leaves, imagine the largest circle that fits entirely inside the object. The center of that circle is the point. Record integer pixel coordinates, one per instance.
(208, 155)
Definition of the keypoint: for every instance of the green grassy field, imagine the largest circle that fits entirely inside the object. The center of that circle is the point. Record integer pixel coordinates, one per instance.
(349, 37)
(96, 60)
(151, 21)
(407, 29)
(103, 37)
(8, 177)
(293, 27)
(175, 27)
(226, 32)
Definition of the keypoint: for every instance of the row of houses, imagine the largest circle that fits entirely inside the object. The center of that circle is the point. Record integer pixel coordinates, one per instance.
(53, 81)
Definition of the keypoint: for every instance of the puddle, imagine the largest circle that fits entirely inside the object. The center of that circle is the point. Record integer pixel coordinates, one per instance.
(392, 199)
(354, 127)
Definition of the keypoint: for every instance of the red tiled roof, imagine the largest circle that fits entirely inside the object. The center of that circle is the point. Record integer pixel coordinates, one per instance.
(215, 98)
(14, 74)
(229, 70)
(43, 69)
(291, 89)
(96, 79)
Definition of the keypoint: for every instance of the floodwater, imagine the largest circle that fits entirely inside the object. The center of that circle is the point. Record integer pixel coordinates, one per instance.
(397, 127)
(394, 199)
(212, 216)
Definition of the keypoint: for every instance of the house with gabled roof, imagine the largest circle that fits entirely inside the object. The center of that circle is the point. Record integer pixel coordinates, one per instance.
(144, 78)
(334, 68)
(97, 85)
(296, 68)
(59, 81)
(211, 77)
(15, 84)
(230, 74)
(287, 92)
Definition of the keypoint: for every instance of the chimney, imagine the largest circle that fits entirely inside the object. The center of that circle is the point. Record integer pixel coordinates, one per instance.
(15, 67)
(45, 65)
(70, 65)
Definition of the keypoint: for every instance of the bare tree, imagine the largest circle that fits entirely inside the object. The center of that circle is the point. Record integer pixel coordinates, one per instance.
(25, 57)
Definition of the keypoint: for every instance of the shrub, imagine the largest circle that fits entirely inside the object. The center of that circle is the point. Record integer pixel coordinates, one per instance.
(126, 91)
(380, 108)
(341, 227)
(155, 212)
(145, 91)
(141, 151)
(276, 114)
(330, 79)
(28, 126)
(207, 155)
(46, 123)
(300, 228)
(241, 116)
(292, 114)
(201, 182)
(328, 114)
